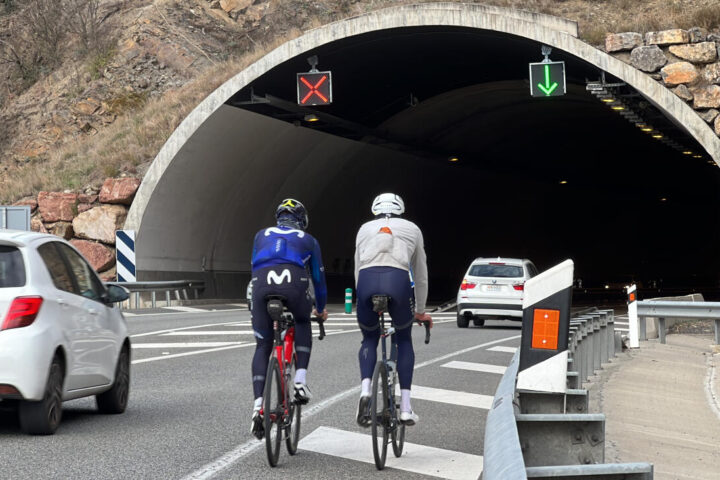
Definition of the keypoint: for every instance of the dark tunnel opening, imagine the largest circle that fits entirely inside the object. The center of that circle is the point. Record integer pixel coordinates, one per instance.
(539, 178)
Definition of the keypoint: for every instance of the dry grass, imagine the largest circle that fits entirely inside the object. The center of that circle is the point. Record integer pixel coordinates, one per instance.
(134, 139)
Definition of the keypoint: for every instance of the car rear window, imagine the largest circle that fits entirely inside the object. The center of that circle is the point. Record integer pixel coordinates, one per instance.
(498, 271)
(12, 268)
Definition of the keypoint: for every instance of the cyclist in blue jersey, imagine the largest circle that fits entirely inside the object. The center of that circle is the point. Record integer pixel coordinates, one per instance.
(284, 259)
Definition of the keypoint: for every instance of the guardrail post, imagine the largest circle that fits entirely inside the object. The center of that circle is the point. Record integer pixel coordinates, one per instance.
(642, 321)
(552, 439)
(717, 331)
(152, 295)
(167, 298)
(603, 338)
(137, 300)
(661, 329)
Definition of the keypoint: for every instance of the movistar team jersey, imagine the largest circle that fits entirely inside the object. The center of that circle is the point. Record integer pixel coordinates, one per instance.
(283, 245)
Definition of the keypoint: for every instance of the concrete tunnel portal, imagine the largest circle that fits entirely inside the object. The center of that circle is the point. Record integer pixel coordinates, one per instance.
(450, 81)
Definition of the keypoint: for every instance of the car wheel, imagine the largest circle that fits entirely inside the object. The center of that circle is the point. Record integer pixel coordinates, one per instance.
(115, 400)
(478, 322)
(462, 321)
(43, 417)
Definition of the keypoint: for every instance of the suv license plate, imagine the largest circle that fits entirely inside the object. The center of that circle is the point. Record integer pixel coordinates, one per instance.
(492, 288)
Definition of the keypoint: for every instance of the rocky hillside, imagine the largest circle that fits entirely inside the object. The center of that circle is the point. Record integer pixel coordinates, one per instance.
(92, 88)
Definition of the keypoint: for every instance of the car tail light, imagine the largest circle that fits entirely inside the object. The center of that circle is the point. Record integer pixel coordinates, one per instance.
(519, 286)
(8, 390)
(465, 285)
(22, 312)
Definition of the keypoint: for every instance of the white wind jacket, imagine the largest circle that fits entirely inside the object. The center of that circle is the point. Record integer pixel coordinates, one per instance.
(394, 242)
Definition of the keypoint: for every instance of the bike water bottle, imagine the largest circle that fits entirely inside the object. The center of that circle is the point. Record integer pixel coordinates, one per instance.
(348, 300)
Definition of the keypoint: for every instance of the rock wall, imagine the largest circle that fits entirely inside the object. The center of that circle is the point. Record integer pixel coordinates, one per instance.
(88, 220)
(685, 61)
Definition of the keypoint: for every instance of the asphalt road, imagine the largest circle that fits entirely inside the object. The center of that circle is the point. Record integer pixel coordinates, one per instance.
(191, 401)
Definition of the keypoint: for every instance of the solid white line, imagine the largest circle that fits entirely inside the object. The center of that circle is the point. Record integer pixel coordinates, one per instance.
(504, 349)
(453, 397)
(190, 333)
(211, 469)
(165, 314)
(158, 332)
(185, 354)
(421, 459)
(184, 345)
(476, 367)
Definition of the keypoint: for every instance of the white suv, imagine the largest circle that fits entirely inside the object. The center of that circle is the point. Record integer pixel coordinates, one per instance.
(61, 337)
(493, 289)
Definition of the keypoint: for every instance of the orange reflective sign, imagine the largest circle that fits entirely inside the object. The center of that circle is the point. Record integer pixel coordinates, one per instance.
(631, 297)
(546, 326)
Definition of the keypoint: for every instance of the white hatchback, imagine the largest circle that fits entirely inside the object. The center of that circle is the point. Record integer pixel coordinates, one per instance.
(61, 337)
(493, 289)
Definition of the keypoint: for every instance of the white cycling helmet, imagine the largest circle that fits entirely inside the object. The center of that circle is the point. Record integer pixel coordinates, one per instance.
(388, 204)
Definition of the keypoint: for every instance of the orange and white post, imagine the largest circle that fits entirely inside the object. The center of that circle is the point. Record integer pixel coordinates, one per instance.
(633, 316)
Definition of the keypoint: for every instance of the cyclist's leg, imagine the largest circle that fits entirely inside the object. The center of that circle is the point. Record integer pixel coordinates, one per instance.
(300, 305)
(262, 330)
(370, 328)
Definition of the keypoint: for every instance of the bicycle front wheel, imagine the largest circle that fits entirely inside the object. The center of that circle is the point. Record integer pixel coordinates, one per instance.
(379, 414)
(293, 428)
(274, 410)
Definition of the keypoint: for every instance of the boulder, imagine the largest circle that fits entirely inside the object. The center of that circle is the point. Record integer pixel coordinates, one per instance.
(100, 223)
(57, 206)
(231, 6)
(717, 126)
(87, 198)
(697, 34)
(678, 73)
(84, 207)
(36, 225)
(109, 275)
(119, 190)
(709, 115)
(648, 59)
(667, 37)
(704, 52)
(615, 42)
(62, 229)
(28, 201)
(711, 73)
(100, 257)
(707, 97)
(683, 92)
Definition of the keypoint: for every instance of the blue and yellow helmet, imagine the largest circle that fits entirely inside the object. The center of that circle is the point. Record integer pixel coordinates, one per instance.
(291, 212)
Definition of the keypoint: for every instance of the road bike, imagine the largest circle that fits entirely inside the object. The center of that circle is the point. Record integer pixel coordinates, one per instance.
(384, 403)
(281, 411)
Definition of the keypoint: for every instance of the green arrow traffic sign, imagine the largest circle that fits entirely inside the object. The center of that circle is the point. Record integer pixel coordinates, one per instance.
(547, 79)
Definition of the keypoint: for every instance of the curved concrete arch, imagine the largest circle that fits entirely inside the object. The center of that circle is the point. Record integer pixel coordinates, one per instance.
(546, 29)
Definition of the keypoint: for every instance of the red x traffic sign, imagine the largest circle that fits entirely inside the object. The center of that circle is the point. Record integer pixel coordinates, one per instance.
(314, 88)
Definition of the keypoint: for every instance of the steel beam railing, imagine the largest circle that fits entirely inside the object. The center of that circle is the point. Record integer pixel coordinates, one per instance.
(179, 289)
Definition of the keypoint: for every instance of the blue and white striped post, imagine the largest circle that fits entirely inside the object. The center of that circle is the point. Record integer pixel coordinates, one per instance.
(125, 251)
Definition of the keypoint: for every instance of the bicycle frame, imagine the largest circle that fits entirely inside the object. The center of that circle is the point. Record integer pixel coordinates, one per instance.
(384, 333)
(283, 350)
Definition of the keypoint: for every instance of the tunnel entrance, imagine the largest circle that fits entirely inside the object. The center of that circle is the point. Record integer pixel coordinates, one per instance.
(441, 115)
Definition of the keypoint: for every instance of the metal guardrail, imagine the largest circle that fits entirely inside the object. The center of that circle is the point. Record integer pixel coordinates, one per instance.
(552, 435)
(662, 309)
(180, 289)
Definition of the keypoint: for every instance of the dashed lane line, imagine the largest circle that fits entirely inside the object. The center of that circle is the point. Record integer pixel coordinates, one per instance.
(501, 348)
(476, 367)
(242, 450)
(453, 397)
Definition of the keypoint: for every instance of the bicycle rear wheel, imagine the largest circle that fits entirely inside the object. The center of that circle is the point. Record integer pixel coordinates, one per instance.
(379, 414)
(398, 439)
(295, 412)
(273, 409)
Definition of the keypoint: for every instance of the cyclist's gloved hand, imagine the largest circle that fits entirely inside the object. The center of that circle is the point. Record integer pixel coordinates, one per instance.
(324, 314)
(424, 317)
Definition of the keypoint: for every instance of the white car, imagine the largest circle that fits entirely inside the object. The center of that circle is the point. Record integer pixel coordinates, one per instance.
(493, 289)
(61, 337)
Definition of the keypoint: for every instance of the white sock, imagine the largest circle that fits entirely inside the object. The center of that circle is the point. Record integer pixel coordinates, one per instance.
(300, 375)
(405, 400)
(258, 403)
(365, 387)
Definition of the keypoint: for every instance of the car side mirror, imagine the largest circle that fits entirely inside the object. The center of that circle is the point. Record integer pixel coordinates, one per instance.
(116, 294)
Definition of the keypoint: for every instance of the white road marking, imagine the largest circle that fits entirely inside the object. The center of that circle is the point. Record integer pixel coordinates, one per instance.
(453, 397)
(190, 333)
(185, 354)
(184, 345)
(435, 462)
(501, 348)
(476, 367)
(230, 458)
(158, 332)
(185, 309)
(165, 314)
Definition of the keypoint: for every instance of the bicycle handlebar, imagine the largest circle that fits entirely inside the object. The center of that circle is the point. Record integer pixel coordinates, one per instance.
(320, 322)
(426, 323)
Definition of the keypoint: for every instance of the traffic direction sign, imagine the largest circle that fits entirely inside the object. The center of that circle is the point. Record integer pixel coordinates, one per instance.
(314, 88)
(547, 79)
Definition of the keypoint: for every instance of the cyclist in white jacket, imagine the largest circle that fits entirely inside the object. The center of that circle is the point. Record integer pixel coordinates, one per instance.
(389, 257)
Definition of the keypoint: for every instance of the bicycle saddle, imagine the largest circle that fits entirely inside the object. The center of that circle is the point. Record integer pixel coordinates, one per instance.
(275, 305)
(380, 303)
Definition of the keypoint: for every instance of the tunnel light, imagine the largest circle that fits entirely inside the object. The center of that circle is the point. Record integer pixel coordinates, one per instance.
(608, 100)
(311, 117)
(647, 129)
(657, 135)
(453, 159)
(687, 152)
(663, 199)
(697, 156)
(618, 108)
(563, 182)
